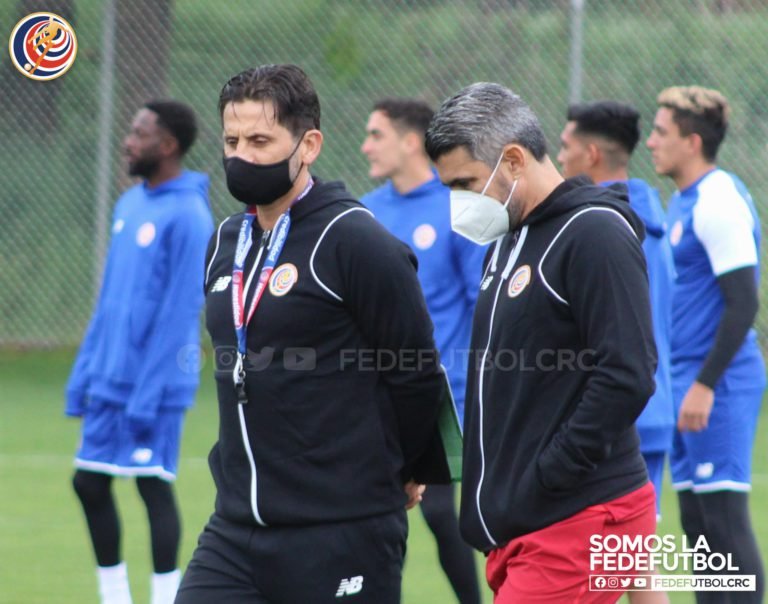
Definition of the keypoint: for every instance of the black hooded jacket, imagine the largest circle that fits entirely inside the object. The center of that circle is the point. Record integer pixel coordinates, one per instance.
(564, 362)
(342, 376)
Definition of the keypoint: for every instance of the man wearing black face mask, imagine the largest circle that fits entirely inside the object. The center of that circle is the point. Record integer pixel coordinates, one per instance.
(328, 380)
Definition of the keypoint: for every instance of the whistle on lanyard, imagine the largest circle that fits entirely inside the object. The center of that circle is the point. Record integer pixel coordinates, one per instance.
(238, 378)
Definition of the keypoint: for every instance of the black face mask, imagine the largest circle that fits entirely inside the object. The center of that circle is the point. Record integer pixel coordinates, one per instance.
(258, 184)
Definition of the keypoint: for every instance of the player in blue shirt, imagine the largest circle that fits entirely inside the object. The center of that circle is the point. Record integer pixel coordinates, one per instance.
(414, 206)
(136, 372)
(597, 141)
(718, 374)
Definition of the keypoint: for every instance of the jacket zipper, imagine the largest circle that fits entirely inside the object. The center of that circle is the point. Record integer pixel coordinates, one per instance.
(241, 407)
(514, 253)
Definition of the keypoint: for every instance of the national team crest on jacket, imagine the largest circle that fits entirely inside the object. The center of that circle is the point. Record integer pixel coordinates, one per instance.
(283, 279)
(424, 236)
(519, 280)
(43, 46)
(146, 234)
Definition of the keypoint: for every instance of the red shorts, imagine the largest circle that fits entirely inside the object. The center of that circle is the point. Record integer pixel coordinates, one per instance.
(552, 565)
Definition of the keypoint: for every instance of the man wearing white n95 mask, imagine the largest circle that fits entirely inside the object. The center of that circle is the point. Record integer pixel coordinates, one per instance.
(563, 356)
(479, 217)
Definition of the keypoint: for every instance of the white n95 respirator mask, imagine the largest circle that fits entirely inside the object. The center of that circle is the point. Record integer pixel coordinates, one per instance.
(477, 216)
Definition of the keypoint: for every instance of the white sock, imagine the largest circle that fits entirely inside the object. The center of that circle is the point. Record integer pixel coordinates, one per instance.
(113, 584)
(164, 586)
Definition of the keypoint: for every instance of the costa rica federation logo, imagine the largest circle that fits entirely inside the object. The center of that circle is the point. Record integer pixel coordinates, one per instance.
(283, 279)
(146, 234)
(43, 46)
(519, 280)
(424, 236)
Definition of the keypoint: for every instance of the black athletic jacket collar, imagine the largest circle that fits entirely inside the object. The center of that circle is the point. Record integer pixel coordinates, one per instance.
(579, 191)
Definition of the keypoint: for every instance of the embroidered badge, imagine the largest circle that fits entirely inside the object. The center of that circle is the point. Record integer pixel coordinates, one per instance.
(424, 236)
(146, 234)
(519, 280)
(283, 279)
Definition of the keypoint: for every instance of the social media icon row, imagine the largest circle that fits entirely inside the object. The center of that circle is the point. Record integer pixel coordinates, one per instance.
(618, 582)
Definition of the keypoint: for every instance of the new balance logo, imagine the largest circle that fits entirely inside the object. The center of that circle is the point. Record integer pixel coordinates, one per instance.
(221, 284)
(350, 587)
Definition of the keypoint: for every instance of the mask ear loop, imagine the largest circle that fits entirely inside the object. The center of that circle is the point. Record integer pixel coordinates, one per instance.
(490, 178)
(296, 148)
(509, 198)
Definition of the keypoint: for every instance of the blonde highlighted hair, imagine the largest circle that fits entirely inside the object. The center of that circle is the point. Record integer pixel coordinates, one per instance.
(698, 110)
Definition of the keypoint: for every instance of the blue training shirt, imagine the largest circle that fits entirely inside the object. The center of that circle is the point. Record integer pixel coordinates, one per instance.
(141, 346)
(714, 229)
(450, 267)
(656, 423)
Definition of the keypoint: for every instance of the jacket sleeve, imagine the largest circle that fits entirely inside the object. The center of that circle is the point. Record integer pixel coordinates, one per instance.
(383, 294)
(79, 378)
(178, 315)
(603, 277)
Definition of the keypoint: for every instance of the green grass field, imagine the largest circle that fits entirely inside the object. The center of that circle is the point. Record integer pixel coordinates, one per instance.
(45, 556)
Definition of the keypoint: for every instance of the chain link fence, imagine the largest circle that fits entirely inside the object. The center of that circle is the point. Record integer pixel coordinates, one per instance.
(61, 169)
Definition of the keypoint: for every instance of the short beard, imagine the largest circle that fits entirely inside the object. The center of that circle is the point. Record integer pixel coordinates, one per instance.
(515, 211)
(143, 168)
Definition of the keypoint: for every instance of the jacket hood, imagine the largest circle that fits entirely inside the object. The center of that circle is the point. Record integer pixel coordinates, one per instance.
(187, 181)
(322, 194)
(644, 200)
(579, 192)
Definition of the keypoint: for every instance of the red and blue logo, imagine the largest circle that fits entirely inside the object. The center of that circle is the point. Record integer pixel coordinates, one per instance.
(283, 279)
(43, 46)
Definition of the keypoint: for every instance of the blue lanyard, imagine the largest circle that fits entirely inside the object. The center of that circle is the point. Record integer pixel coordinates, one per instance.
(274, 243)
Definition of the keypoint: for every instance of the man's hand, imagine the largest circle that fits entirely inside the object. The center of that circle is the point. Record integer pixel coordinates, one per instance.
(696, 407)
(75, 402)
(414, 492)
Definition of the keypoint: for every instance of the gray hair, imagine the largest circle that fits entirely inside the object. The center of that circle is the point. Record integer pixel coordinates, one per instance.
(483, 118)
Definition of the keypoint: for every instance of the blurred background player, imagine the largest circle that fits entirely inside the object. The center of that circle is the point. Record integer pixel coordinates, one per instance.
(414, 205)
(136, 372)
(598, 141)
(718, 373)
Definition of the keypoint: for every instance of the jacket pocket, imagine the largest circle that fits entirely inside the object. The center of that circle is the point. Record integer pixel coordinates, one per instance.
(557, 471)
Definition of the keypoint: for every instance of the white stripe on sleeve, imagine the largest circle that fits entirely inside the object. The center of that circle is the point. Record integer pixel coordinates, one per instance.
(723, 224)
